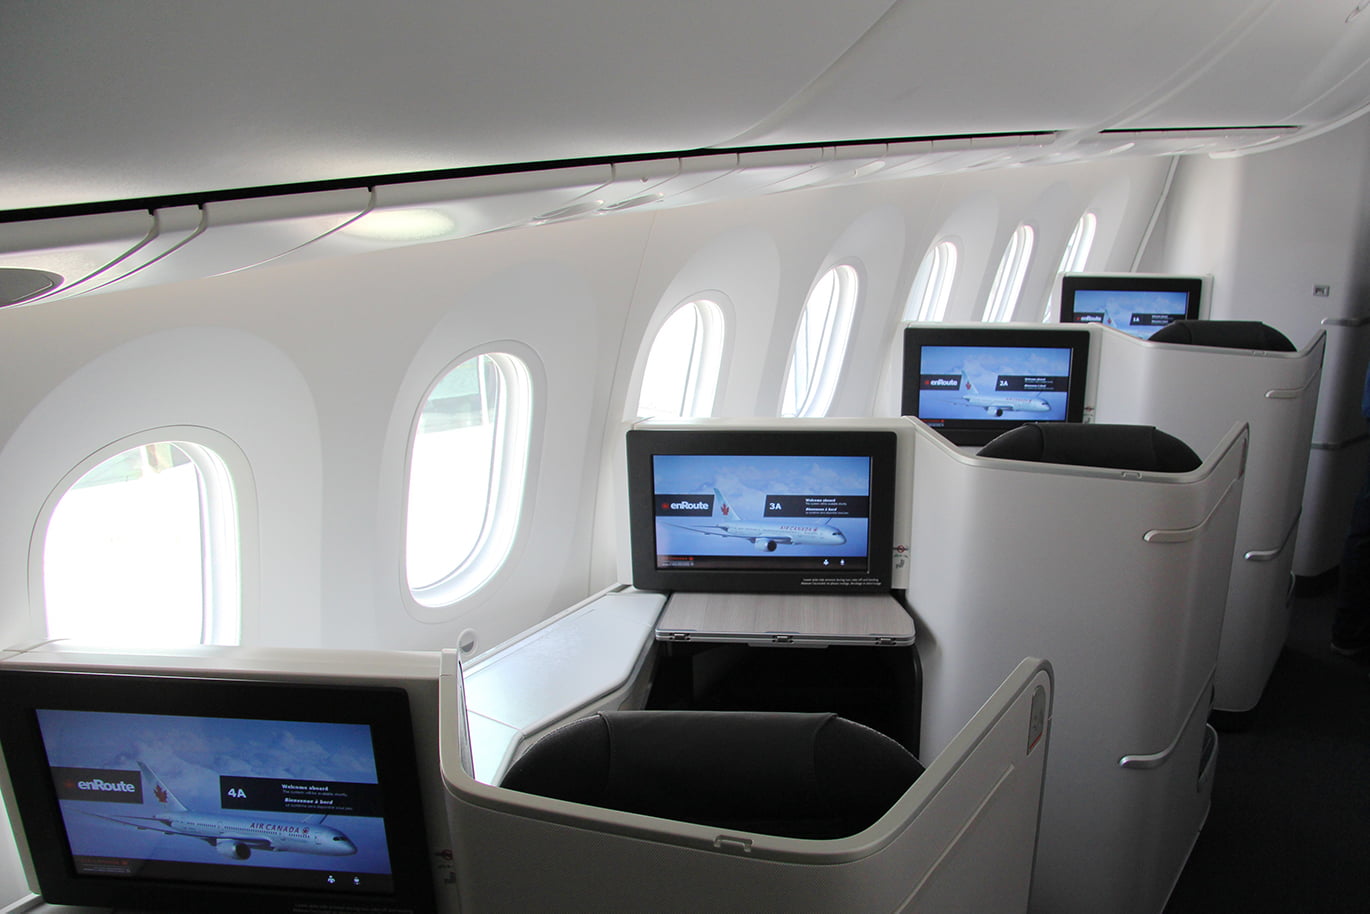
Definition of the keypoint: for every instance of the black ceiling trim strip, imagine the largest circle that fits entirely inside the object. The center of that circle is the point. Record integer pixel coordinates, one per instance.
(199, 198)
(1209, 129)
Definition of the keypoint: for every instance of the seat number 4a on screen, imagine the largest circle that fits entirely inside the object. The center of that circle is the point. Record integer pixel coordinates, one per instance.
(237, 793)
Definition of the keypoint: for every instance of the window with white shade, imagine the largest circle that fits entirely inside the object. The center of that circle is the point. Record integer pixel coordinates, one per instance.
(467, 469)
(820, 343)
(1008, 279)
(142, 549)
(681, 373)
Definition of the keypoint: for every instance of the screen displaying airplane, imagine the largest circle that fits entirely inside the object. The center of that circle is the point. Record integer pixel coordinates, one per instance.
(234, 837)
(733, 511)
(978, 382)
(1136, 312)
(196, 791)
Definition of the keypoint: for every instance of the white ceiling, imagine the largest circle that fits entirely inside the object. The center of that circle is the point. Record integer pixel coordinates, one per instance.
(106, 101)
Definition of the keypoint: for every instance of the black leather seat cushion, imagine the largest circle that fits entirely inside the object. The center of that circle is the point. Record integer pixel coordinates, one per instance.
(1224, 335)
(1122, 447)
(779, 773)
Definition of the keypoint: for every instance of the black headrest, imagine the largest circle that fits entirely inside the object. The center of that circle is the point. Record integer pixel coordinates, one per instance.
(1224, 335)
(779, 773)
(1121, 447)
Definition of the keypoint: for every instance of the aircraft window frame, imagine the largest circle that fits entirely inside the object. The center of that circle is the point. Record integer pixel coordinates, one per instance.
(819, 346)
(222, 489)
(693, 385)
(931, 290)
(508, 410)
(1008, 279)
(1073, 258)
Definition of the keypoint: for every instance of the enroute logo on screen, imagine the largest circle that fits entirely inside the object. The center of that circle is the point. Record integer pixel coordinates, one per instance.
(106, 785)
(684, 505)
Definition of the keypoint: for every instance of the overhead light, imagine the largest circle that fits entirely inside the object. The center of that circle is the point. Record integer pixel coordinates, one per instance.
(400, 225)
(869, 168)
(18, 284)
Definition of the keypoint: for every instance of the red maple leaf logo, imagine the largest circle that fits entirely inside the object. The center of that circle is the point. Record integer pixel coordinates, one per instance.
(725, 509)
(160, 792)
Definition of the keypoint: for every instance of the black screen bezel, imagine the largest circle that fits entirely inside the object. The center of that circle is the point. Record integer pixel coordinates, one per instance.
(879, 445)
(975, 432)
(1072, 283)
(385, 709)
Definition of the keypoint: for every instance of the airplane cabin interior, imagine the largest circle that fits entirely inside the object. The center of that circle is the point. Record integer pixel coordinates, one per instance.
(771, 456)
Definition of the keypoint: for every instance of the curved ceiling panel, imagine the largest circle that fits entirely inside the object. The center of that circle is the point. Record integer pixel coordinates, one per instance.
(1299, 63)
(116, 101)
(940, 67)
(75, 252)
(157, 104)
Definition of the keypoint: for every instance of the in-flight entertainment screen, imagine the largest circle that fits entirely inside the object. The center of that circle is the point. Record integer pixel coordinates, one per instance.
(761, 510)
(1138, 304)
(178, 793)
(973, 383)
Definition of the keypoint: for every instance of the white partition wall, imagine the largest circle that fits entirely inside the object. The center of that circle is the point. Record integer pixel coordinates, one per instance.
(1196, 393)
(1118, 577)
(961, 838)
(1337, 459)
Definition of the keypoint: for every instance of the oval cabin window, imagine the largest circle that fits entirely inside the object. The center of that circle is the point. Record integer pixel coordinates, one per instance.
(1073, 258)
(1008, 279)
(820, 343)
(682, 367)
(932, 286)
(143, 550)
(467, 468)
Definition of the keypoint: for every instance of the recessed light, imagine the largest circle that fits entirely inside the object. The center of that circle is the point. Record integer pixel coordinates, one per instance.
(869, 168)
(399, 225)
(18, 284)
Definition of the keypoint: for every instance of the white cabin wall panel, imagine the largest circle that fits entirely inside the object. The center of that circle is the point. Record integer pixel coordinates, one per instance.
(992, 204)
(363, 332)
(1269, 227)
(558, 293)
(815, 230)
(1052, 216)
(218, 378)
(876, 242)
(807, 227)
(1121, 205)
(972, 226)
(689, 253)
(1196, 233)
(697, 250)
(1125, 195)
